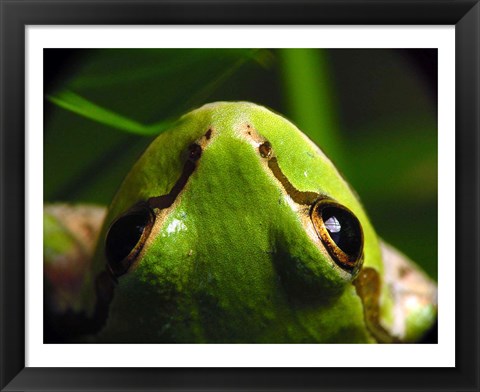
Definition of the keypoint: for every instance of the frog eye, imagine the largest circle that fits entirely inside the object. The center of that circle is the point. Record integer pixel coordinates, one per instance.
(126, 237)
(340, 232)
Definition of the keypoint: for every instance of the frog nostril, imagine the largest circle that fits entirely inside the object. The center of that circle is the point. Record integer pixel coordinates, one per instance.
(265, 150)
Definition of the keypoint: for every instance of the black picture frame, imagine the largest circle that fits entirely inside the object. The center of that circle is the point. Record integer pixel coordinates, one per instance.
(15, 15)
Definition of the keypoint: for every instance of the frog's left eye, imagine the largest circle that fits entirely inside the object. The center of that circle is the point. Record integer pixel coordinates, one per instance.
(340, 232)
(126, 237)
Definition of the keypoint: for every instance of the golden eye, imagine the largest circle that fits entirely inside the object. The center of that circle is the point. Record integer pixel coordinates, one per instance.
(340, 232)
(126, 237)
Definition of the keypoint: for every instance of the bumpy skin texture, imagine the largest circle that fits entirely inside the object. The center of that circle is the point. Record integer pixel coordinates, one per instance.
(235, 259)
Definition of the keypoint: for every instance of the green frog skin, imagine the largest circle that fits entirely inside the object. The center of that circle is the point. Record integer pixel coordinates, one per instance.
(233, 227)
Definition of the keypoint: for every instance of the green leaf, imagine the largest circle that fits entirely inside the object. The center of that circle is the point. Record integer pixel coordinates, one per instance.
(75, 103)
(310, 97)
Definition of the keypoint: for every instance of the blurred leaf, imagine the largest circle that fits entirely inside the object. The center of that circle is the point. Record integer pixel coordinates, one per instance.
(311, 98)
(75, 103)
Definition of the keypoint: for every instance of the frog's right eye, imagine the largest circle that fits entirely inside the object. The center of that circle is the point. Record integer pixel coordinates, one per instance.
(340, 232)
(126, 237)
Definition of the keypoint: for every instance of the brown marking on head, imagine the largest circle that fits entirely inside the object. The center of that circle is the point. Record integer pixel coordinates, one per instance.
(194, 152)
(368, 286)
(266, 151)
(299, 197)
(208, 135)
(250, 134)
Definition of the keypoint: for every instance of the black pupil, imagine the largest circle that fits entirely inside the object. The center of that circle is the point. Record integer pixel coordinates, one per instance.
(124, 235)
(344, 229)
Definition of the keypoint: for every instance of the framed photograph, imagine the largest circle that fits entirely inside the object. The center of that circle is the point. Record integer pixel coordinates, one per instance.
(201, 196)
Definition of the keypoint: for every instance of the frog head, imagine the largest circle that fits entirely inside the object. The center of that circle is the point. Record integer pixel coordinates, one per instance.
(234, 227)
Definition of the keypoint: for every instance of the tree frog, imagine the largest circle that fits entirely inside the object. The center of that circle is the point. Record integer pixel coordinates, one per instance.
(232, 227)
